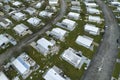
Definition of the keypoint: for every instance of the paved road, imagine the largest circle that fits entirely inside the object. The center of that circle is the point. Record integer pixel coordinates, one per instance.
(12, 51)
(105, 57)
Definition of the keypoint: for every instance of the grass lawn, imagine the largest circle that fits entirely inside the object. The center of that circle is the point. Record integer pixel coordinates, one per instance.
(119, 55)
(116, 71)
(11, 73)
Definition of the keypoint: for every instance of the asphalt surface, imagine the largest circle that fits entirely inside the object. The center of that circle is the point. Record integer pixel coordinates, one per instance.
(9, 53)
(103, 63)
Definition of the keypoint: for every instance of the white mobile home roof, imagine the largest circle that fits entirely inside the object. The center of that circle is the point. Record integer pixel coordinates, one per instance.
(17, 3)
(45, 14)
(38, 5)
(81, 40)
(91, 4)
(3, 39)
(30, 10)
(92, 28)
(75, 3)
(53, 2)
(19, 66)
(23, 63)
(53, 75)
(73, 14)
(19, 14)
(34, 21)
(118, 8)
(75, 8)
(59, 31)
(92, 10)
(94, 19)
(68, 22)
(44, 43)
(115, 3)
(5, 22)
(3, 76)
(20, 28)
(70, 56)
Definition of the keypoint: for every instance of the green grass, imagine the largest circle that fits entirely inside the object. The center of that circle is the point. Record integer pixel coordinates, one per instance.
(3, 50)
(119, 55)
(11, 73)
(116, 71)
